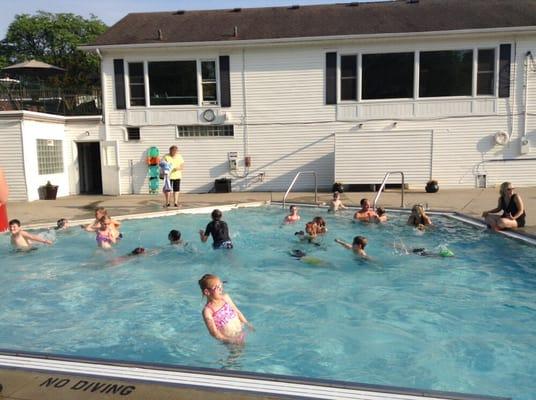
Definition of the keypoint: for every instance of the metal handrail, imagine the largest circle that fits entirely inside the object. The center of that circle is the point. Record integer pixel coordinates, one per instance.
(294, 181)
(382, 187)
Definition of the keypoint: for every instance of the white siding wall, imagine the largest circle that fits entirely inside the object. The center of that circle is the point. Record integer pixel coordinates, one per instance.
(31, 131)
(11, 158)
(288, 128)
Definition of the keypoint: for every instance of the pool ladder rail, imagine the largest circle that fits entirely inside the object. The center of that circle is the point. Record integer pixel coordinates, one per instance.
(294, 181)
(382, 187)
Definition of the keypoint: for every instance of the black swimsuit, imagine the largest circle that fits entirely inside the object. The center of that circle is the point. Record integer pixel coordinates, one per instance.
(511, 208)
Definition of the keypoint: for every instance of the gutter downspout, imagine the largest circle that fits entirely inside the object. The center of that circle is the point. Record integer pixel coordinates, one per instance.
(103, 94)
(529, 60)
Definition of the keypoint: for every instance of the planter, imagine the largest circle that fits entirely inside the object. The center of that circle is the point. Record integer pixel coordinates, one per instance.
(48, 192)
(431, 187)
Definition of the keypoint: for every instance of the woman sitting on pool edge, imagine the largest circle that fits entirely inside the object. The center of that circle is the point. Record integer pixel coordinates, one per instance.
(513, 209)
(219, 231)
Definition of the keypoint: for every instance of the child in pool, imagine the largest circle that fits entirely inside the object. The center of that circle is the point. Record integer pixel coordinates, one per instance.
(293, 216)
(61, 224)
(104, 235)
(357, 246)
(313, 229)
(381, 215)
(95, 225)
(22, 240)
(418, 217)
(219, 231)
(336, 204)
(174, 237)
(223, 319)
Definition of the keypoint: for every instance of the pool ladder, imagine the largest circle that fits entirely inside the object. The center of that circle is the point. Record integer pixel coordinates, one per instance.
(294, 181)
(382, 187)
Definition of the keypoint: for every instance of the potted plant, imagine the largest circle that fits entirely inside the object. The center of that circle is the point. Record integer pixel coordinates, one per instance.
(50, 191)
(431, 186)
(337, 187)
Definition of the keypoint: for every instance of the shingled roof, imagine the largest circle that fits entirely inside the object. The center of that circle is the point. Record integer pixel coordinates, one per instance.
(402, 16)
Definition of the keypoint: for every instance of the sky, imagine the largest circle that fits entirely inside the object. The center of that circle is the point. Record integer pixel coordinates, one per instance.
(111, 11)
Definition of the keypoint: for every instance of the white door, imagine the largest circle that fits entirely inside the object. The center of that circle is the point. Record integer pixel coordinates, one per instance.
(110, 168)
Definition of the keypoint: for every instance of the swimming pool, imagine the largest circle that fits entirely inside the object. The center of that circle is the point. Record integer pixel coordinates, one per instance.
(462, 324)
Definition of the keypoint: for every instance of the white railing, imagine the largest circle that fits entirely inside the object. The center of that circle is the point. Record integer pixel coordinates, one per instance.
(382, 187)
(294, 181)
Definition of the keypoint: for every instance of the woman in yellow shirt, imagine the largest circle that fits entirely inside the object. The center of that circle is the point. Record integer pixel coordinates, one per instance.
(176, 161)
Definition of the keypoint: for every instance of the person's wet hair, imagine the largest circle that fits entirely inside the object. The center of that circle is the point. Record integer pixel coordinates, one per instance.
(380, 211)
(137, 251)
(216, 215)
(14, 222)
(60, 223)
(360, 241)
(174, 235)
(363, 201)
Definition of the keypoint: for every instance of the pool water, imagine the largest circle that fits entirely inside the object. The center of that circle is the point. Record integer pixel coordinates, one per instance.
(464, 324)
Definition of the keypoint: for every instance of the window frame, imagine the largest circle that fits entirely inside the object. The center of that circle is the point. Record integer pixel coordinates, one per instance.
(416, 73)
(339, 77)
(199, 83)
(127, 134)
(206, 127)
(57, 143)
(127, 83)
(215, 60)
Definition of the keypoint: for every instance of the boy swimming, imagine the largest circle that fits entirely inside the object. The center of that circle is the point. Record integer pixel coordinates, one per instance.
(22, 240)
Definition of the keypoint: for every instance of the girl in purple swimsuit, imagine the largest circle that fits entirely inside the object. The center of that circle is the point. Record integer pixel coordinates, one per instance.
(223, 319)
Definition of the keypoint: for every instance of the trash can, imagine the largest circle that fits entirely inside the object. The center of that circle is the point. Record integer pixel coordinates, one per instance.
(222, 185)
(50, 191)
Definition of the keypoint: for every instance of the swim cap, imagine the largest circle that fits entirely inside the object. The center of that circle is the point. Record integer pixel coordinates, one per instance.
(446, 253)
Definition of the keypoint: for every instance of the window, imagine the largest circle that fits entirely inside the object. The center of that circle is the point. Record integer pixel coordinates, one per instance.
(136, 84)
(208, 82)
(485, 76)
(205, 130)
(348, 77)
(445, 73)
(388, 76)
(173, 83)
(49, 156)
(133, 133)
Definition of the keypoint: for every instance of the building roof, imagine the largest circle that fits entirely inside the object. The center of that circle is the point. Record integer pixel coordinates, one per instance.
(271, 23)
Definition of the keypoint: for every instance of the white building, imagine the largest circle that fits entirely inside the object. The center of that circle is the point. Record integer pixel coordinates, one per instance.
(434, 88)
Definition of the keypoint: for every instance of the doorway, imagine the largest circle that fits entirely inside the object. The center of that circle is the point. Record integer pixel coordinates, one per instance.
(89, 166)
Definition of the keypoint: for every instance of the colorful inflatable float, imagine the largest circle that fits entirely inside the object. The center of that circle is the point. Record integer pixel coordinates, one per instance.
(153, 161)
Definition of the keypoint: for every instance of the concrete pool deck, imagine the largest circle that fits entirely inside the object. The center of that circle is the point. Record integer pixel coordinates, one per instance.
(470, 202)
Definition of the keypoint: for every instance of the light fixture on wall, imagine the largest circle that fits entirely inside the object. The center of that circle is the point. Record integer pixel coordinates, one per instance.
(360, 126)
(395, 124)
(87, 133)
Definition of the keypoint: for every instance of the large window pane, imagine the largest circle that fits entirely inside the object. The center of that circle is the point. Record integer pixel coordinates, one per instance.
(208, 82)
(445, 73)
(486, 72)
(136, 84)
(388, 76)
(49, 156)
(348, 77)
(173, 82)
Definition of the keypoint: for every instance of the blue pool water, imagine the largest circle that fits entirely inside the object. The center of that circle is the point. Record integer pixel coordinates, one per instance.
(465, 324)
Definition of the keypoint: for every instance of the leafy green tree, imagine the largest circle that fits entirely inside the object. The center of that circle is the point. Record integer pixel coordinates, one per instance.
(54, 38)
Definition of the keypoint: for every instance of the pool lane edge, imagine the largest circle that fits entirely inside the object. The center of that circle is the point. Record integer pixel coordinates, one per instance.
(32, 376)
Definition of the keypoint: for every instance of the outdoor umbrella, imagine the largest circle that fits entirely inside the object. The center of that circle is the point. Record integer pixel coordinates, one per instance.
(34, 68)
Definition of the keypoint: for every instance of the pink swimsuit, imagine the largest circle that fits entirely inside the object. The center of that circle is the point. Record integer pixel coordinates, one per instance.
(222, 316)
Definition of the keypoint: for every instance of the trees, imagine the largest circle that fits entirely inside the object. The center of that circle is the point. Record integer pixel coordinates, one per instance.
(54, 38)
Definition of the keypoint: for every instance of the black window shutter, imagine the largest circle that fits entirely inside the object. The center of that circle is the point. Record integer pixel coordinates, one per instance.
(505, 51)
(225, 82)
(119, 78)
(331, 78)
